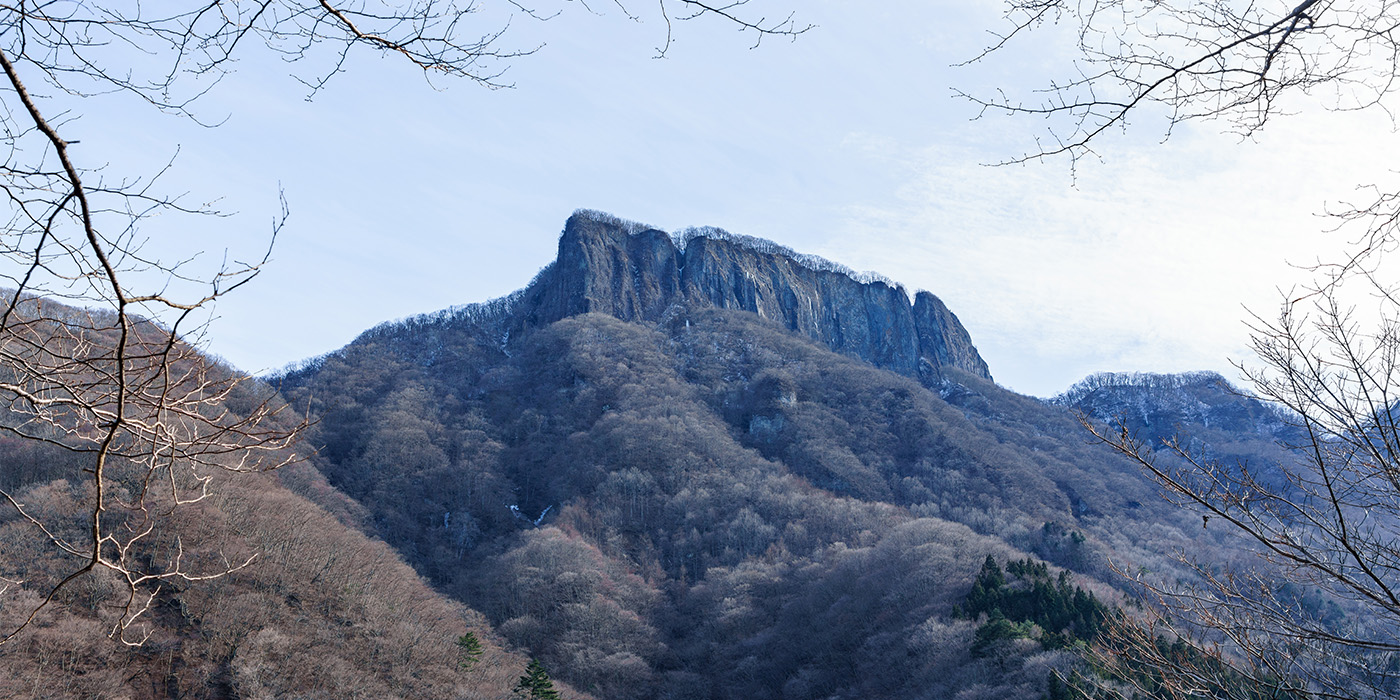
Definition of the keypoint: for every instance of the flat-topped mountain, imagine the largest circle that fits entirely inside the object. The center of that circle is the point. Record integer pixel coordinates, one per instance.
(636, 273)
(640, 274)
(672, 466)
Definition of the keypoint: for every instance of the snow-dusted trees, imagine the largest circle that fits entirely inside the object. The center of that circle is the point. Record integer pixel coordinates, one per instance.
(807, 260)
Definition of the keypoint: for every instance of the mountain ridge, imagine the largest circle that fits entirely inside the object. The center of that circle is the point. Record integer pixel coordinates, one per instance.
(669, 494)
(606, 265)
(638, 273)
(1156, 404)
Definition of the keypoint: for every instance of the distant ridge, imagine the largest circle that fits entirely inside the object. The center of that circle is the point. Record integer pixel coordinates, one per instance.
(1139, 380)
(1157, 404)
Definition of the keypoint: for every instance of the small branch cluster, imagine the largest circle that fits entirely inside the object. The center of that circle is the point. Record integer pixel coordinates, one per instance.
(730, 10)
(1230, 61)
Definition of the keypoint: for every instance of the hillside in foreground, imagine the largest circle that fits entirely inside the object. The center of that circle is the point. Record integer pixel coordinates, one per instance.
(322, 610)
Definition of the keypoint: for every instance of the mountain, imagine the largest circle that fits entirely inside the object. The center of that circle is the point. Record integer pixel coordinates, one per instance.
(1160, 405)
(639, 274)
(1199, 411)
(672, 466)
(703, 466)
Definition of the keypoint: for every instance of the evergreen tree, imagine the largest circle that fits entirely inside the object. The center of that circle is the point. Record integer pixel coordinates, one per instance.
(535, 684)
(1064, 612)
(468, 651)
(991, 576)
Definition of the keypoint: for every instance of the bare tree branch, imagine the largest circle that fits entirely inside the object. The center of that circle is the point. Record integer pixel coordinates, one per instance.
(99, 337)
(1235, 62)
(1327, 522)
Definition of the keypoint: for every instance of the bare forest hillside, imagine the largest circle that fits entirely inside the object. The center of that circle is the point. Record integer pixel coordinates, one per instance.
(690, 466)
(320, 610)
(668, 478)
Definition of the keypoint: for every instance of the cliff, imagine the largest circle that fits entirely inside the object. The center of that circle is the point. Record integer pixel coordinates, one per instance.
(636, 273)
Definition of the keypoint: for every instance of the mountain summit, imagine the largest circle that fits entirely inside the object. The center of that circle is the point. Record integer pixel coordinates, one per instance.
(673, 466)
(1156, 406)
(640, 274)
(637, 274)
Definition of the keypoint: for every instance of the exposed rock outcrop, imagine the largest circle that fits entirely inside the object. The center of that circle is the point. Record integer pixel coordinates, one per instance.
(636, 273)
(608, 267)
(942, 335)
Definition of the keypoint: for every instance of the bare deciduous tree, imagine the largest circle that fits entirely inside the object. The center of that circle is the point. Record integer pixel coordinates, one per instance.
(114, 372)
(1316, 611)
(1317, 614)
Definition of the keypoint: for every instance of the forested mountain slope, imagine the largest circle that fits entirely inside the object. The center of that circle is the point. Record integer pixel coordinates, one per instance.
(692, 487)
(322, 611)
(692, 466)
(1200, 411)
(1159, 406)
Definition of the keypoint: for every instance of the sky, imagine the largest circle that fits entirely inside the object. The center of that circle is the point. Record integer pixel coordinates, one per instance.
(408, 195)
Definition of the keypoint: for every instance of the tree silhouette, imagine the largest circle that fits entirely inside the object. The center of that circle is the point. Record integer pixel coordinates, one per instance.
(1326, 521)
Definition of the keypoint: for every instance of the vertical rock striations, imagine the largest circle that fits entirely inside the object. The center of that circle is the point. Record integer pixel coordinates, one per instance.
(609, 267)
(871, 321)
(943, 341)
(606, 265)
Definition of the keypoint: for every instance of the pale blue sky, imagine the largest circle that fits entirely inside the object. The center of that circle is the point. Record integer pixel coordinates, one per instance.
(407, 197)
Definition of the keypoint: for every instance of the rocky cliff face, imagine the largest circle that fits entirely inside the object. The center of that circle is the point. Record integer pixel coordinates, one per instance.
(943, 336)
(634, 273)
